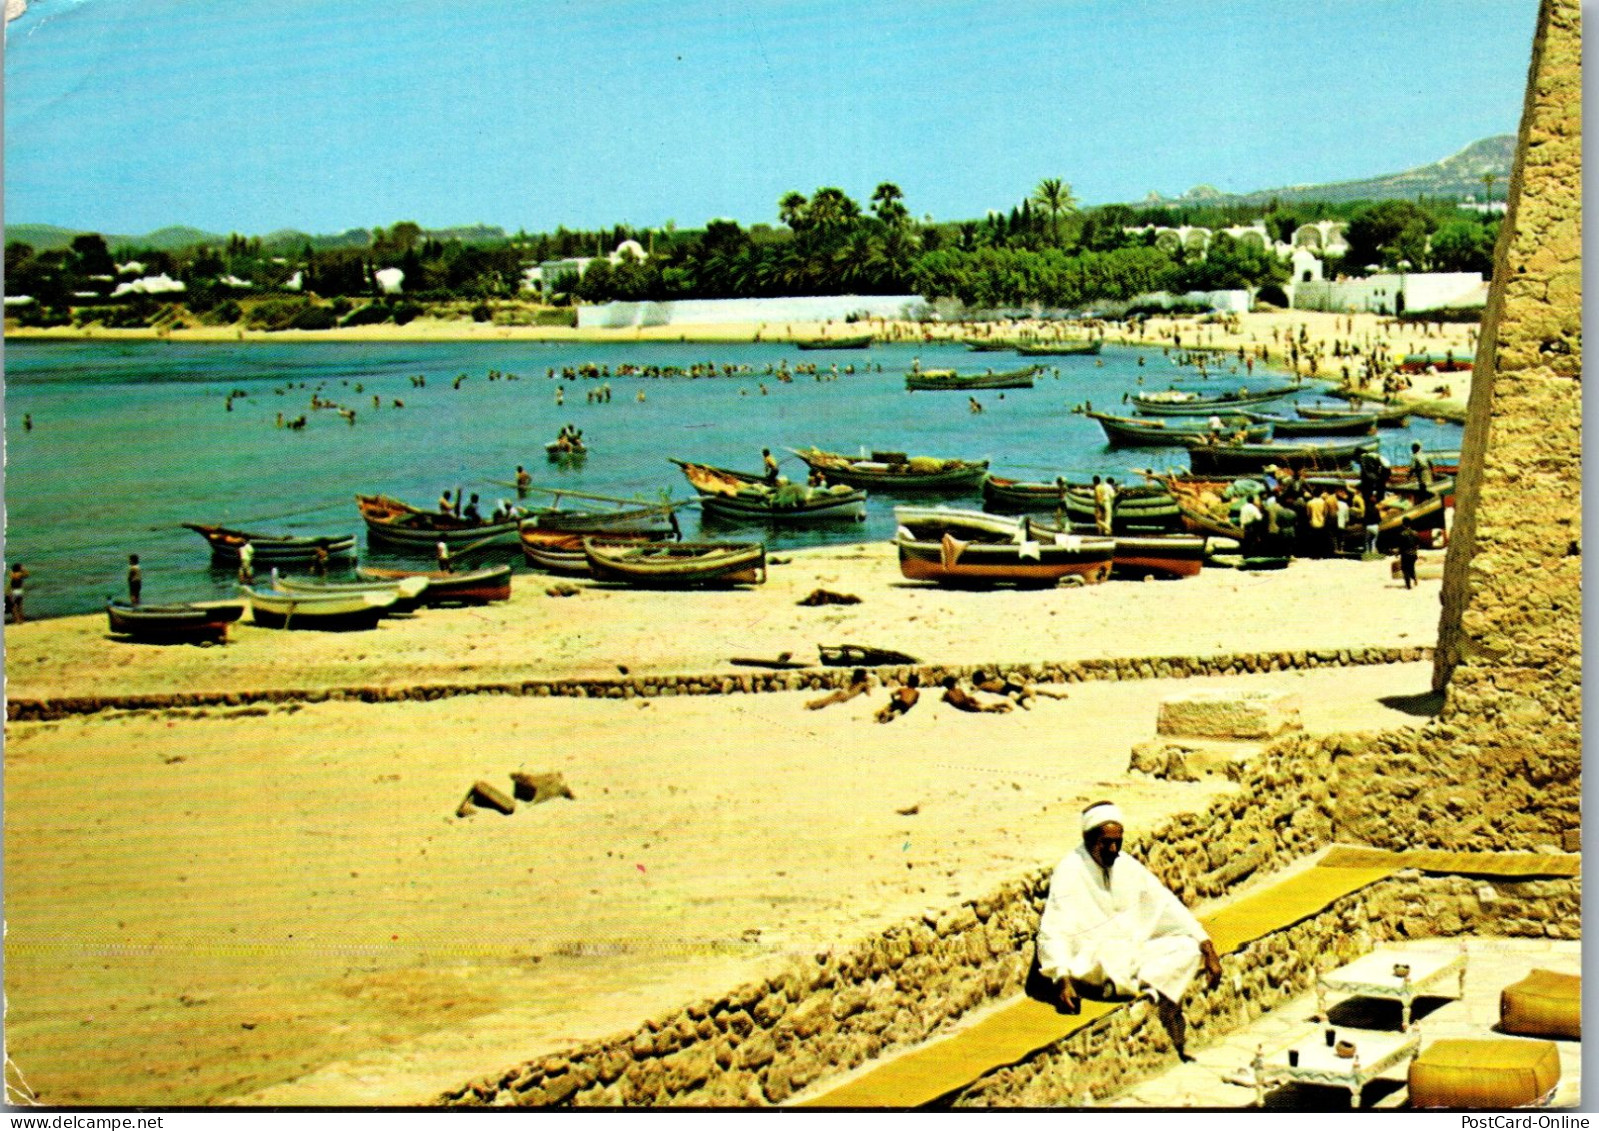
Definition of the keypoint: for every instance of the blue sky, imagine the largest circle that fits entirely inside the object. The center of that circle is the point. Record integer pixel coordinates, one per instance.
(253, 115)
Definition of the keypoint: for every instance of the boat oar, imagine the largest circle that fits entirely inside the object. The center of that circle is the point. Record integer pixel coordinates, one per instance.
(268, 517)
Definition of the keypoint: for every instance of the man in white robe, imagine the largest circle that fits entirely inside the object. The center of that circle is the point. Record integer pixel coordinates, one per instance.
(1112, 927)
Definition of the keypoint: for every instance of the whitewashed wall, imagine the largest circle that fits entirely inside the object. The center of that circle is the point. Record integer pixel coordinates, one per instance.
(1423, 291)
(813, 308)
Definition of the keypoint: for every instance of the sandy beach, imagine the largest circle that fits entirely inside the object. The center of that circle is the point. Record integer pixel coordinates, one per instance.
(276, 903)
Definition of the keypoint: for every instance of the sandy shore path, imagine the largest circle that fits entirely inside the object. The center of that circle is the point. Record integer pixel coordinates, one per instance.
(1312, 605)
(276, 904)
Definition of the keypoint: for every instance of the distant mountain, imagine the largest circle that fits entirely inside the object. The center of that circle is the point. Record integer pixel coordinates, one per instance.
(1457, 176)
(48, 237)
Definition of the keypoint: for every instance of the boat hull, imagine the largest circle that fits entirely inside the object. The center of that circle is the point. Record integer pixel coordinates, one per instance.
(984, 564)
(400, 525)
(672, 565)
(859, 342)
(932, 381)
(331, 613)
(1155, 405)
(1063, 349)
(273, 549)
(470, 587)
(1224, 458)
(895, 476)
(182, 622)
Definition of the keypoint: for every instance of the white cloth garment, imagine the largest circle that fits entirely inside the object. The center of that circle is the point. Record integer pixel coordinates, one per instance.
(1130, 931)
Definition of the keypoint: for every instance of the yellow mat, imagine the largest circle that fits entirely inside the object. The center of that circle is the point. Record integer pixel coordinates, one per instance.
(1015, 1031)
(1507, 864)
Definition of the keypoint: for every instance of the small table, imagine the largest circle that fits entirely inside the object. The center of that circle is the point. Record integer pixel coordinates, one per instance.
(1375, 1053)
(1374, 976)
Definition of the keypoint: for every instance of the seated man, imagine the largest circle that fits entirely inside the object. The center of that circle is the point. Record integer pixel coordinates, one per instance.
(1111, 927)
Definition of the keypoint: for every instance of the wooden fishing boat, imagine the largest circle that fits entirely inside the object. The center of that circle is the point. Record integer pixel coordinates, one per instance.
(972, 548)
(1258, 457)
(1138, 509)
(561, 551)
(1142, 555)
(1446, 362)
(933, 379)
(401, 525)
(1355, 424)
(676, 564)
(194, 622)
(408, 591)
(1388, 416)
(332, 612)
(280, 549)
(989, 345)
(740, 496)
(1185, 402)
(853, 342)
(1177, 432)
(468, 587)
(895, 471)
(1059, 349)
(861, 656)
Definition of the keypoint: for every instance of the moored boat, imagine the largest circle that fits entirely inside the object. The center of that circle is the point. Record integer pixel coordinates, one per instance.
(1138, 508)
(1388, 416)
(196, 621)
(1139, 555)
(467, 587)
(676, 564)
(282, 549)
(853, 342)
(1355, 424)
(402, 525)
(326, 611)
(408, 591)
(1177, 432)
(1258, 457)
(1185, 402)
(740, 496)
(895, 471)
(933, 379)
(1059, 349)
(973, 548)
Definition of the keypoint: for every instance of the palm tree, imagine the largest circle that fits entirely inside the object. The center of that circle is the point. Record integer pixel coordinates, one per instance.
(888, 204)
(791, 210)
(1488, 179)
(1055, 197)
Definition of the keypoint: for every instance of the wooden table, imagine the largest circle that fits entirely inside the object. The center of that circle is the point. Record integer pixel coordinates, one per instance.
(1374, 975)
(1375, 1053)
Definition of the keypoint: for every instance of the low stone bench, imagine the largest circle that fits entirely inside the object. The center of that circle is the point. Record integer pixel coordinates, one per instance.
(1229, 714)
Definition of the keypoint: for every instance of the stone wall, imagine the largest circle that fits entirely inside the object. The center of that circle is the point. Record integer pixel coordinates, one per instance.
(1128, 1045)
(826, 1013)
(729, 683)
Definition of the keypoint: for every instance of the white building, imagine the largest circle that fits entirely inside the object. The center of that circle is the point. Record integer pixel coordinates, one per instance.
(1392, 292)
(555, 275)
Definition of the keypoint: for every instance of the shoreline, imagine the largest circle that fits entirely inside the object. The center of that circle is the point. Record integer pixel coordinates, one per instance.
(1444, 397)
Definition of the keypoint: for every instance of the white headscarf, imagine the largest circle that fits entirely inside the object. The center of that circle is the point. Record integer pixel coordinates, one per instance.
(1102, 814)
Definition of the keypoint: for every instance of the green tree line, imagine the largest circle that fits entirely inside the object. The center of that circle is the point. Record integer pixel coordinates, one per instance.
(1043, 250)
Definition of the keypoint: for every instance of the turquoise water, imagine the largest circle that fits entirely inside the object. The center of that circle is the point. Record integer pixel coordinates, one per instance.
(131, 439)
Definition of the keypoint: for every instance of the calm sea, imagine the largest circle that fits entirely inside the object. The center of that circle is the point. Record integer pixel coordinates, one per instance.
(131, 439)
